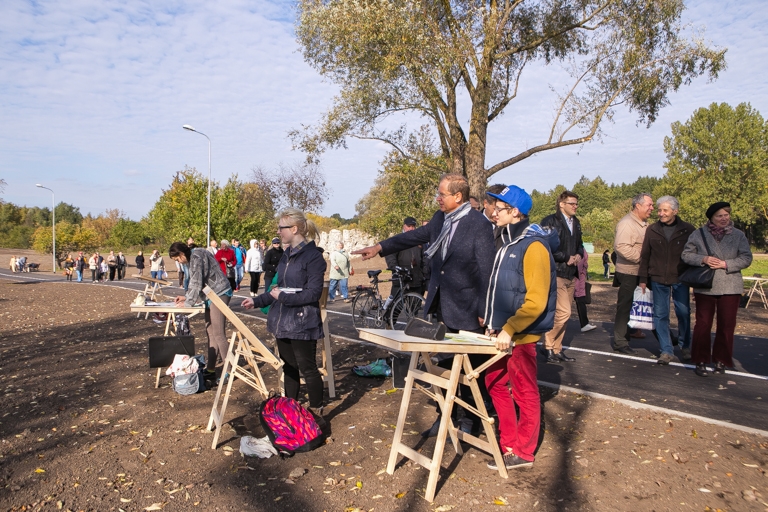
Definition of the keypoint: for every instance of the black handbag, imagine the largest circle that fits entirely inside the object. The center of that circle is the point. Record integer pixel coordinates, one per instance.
(420, 328)
(699, 276)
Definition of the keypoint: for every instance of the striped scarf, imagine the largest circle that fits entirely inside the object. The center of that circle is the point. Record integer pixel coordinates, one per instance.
(442, 239)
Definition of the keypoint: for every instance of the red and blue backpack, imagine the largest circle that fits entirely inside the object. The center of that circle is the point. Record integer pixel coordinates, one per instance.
(290, 427)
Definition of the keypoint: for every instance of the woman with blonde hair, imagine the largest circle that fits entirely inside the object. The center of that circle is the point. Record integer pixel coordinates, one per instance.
(294, 315)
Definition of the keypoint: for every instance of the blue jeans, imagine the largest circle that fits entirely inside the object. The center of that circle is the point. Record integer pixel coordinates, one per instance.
(682, 300)
(79, 276)
(238, 274)
(341, 283)
(156, 274)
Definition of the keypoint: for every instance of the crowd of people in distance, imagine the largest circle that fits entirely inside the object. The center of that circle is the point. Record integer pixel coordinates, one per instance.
(18, 263)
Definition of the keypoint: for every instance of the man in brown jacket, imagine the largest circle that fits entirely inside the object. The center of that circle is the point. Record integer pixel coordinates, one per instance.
(660, 262)
(630, 233)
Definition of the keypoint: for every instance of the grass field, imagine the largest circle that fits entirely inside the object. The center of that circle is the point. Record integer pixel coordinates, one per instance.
(759, 266)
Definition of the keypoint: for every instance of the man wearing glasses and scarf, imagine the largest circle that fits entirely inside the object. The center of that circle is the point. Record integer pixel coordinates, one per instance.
(461, 250)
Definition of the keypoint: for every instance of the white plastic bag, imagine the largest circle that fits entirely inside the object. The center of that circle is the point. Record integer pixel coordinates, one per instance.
(261, 448)
(182, 365)
(641, 316)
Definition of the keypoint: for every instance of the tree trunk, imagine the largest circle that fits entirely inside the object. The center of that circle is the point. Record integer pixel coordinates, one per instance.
(474, 159)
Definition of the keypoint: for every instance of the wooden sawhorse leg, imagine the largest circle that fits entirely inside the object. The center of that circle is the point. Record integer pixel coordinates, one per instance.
(447, 381)
(232, 367)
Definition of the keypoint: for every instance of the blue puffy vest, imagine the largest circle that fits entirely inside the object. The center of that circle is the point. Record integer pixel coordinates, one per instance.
(506, 290)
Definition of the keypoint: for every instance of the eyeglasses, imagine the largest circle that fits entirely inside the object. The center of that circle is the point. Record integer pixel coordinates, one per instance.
(496, 209)
(284, 227)
(443, 196)
(573, 204)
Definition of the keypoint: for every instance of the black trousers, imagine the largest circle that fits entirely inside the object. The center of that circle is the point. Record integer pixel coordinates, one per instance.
(626, 284)
(255, 276)
(581, 308)
(112, 271)
(300, 358)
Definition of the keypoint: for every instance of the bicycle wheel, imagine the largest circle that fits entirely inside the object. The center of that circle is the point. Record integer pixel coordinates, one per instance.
(406, 307)
(365, 312)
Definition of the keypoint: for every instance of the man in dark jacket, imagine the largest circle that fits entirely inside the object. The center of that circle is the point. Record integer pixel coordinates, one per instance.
(409, 259)
(121, 265)
(461, 252)
(661, 264)
(567, 257)
(271, 259)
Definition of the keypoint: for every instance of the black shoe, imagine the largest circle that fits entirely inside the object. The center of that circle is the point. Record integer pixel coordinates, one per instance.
(432, 431)
(552, 357)
(625, 350)
(564, 357)
(511, 461)
(701, 370)
(719, 369)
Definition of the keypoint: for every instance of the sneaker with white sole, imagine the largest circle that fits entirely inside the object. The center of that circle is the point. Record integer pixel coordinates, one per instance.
(588, 327)
(511, 461)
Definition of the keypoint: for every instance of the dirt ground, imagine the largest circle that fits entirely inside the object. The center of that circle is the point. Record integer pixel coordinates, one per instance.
(83, 428)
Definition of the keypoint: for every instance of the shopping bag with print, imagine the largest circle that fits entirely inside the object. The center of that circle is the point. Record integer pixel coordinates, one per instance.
(641, 316)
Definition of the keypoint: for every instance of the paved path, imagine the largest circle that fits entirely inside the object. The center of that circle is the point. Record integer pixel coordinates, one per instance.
(739, 396)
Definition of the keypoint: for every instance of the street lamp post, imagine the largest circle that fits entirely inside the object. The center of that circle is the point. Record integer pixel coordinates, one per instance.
(53, 223)
(188, 127)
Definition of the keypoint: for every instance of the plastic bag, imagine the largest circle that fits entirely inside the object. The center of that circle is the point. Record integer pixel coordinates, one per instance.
(641, 316)
(257, 447)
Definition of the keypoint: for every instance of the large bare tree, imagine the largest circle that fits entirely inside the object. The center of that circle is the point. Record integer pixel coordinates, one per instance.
(422, 56)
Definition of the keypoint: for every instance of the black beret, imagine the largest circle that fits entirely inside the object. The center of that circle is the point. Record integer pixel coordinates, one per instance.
(715, 207)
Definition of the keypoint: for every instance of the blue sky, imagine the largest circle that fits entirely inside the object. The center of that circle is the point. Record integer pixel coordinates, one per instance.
(93, 95)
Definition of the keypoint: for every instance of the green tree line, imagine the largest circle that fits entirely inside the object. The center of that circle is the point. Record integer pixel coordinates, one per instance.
(239, 209)
(719, 154)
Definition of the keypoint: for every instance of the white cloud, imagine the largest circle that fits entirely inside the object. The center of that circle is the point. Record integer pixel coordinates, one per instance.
(93, 95)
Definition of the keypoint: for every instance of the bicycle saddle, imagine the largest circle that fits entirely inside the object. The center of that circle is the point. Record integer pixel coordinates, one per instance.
(373, 273)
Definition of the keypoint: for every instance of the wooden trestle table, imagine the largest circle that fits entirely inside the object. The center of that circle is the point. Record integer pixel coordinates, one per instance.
(444, 389)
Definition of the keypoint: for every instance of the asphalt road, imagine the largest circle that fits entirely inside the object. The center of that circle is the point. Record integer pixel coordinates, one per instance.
(738, 397)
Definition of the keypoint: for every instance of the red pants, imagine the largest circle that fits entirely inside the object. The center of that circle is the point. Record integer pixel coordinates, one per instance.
(519, 371)
(702, 350)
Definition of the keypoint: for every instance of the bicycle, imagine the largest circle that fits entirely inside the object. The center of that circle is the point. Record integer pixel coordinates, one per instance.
(369, 311)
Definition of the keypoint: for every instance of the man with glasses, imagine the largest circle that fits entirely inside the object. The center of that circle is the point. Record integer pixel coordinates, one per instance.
(489, 202)
(461, 253)
(567, 257)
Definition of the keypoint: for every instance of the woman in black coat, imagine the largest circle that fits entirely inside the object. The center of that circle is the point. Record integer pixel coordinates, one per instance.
(294, 315)
(140, 263)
